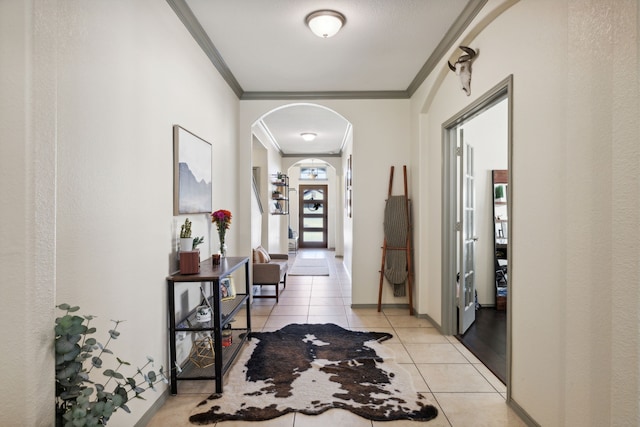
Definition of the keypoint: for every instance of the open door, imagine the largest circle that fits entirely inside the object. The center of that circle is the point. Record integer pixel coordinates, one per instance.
(468, 239)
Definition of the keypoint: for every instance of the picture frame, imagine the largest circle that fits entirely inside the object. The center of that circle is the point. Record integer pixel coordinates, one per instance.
(227, 289)
(192, 180)
(348, 185)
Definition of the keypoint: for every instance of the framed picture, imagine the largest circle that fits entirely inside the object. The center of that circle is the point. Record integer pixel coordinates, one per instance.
(191, 173)
(227, 289)
(348, 189)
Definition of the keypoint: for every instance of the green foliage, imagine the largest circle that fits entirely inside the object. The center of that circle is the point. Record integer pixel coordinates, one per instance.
(185, 229)
(80, 399)
(197, 241)
(499, 191)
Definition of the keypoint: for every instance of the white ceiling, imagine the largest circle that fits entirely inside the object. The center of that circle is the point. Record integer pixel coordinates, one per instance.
(264, 50)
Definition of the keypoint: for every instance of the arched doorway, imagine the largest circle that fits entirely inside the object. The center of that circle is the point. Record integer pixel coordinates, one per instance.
(279, 147)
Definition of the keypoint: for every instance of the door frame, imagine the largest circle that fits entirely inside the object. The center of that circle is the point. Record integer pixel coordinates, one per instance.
(502, 90)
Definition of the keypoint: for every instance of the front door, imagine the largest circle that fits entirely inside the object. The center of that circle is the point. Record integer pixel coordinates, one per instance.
(466, 227)
(313, 216)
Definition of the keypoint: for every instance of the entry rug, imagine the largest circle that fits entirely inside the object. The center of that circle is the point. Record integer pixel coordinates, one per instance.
(313, 368)
(309, 267)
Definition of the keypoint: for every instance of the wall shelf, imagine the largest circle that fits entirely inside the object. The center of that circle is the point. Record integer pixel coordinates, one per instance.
(279, 204)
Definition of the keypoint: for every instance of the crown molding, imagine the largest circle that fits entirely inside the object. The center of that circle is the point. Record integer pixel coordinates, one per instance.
(189, 20)
(373, 94)
(461, 23)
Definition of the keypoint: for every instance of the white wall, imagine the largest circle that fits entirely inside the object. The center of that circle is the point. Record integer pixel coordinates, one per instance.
(575, 273)
(115, 76)
(27, 229)
(380, 140)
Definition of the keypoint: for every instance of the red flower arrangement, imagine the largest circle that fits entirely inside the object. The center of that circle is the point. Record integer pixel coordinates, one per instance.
(222, 219)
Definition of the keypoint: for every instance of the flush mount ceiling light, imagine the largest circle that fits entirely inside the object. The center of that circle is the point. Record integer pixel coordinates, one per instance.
(325, 23)
(308, 136)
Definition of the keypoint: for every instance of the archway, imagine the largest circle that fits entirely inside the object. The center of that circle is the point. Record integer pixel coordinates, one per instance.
(278, 147)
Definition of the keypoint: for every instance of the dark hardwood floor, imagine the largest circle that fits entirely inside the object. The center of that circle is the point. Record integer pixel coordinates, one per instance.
(487, 340)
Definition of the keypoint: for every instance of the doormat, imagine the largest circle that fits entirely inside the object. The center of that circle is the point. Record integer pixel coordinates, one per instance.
(309, 267)
(310, 369)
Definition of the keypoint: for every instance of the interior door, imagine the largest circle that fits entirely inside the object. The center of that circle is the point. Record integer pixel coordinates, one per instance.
(468, 239)
(313, 216)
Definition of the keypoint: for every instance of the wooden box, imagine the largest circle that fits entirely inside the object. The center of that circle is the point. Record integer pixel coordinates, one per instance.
(189, 262)
(501, 303)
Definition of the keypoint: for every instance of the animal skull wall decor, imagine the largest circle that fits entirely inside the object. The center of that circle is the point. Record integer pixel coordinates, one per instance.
(462, 68)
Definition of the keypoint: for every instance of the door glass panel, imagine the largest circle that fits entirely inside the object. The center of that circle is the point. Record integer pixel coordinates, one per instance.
(314, 194)
(313, 236)
(310, 222)
(314, 208)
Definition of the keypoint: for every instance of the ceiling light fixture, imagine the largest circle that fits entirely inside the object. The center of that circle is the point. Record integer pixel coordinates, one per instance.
(308, 136)
(325, 23)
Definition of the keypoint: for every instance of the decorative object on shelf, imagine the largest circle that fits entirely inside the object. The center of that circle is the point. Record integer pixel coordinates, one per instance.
(202, 354)
(227, 336)
(215, 260)
(80, 398)
(192, 173)
(222, 219)
(227, 289)
(186, 242)
(203, 314)
(204, 310)
(190, 262)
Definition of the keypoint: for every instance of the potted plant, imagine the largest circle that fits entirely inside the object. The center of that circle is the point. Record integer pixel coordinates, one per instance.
(197, 241)
(186, 241)
(82, 398)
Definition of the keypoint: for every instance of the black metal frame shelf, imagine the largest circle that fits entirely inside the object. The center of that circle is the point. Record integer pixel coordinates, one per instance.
(223, 313)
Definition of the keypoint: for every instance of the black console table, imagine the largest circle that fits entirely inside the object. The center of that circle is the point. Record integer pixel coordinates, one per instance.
(223, 312)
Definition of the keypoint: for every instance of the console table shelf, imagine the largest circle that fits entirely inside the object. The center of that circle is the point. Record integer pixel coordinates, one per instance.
(223, 313)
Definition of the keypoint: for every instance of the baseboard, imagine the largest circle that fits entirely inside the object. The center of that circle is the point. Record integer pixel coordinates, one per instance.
(146, 418)
(529, 421)
(383, 306)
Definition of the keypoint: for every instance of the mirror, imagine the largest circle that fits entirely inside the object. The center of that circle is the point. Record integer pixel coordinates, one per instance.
(501, 235)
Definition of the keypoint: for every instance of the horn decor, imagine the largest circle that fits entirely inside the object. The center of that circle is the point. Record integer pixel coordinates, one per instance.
(462, 67)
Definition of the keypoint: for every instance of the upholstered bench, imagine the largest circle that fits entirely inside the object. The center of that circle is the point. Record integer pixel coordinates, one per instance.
(269, 270)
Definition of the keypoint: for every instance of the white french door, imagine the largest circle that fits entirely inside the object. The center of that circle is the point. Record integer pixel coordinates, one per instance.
(467, 231)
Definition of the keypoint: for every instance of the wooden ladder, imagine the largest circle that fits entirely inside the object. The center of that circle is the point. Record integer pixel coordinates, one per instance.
(406, 248)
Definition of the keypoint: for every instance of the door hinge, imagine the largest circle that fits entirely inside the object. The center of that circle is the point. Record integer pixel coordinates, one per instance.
(458, 151)
(458, 226)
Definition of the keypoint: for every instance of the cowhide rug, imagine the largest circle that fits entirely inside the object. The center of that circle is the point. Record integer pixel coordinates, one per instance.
(310, 369)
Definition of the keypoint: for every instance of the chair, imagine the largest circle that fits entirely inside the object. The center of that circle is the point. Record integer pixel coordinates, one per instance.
(270, 270)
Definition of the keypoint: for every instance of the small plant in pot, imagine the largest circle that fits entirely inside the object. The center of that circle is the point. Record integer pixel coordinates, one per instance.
(186, 241)
(197, 241)
(81, 398)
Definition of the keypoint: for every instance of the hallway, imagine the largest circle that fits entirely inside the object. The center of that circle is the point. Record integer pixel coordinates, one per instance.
(464, 391)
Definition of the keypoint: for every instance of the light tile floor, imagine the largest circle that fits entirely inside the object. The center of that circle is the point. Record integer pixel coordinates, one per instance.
(464, 390)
